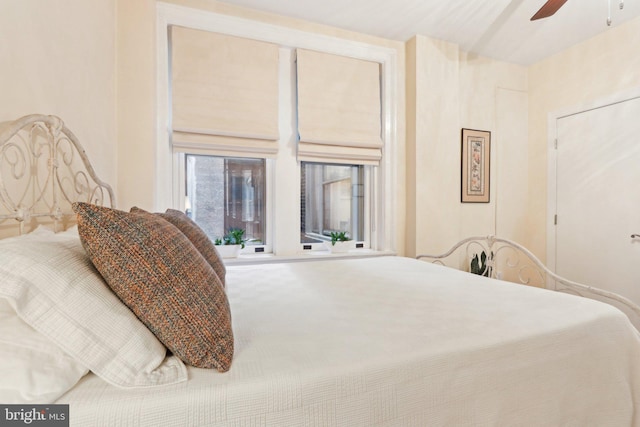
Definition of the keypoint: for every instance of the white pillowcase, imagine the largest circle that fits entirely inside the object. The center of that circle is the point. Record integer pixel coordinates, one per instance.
(33, 369)
(52, 285)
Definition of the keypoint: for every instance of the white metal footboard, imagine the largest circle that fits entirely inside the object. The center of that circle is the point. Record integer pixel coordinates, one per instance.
(508, 260)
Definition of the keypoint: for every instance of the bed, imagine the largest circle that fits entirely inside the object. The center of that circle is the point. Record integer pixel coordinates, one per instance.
(386, 341)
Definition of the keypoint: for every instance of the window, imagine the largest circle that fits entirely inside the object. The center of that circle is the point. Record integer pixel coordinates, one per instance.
(331, 199)
(370, 197)
(227, 192)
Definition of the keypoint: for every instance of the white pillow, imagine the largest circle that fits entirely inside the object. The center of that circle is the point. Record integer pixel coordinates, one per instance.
(53, 286)
(33, 369)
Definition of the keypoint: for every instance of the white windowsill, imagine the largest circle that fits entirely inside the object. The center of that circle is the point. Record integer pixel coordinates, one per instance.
(246, 259)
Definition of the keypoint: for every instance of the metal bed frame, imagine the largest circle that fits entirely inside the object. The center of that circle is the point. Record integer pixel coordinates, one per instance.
(43, 170)
(508, 260)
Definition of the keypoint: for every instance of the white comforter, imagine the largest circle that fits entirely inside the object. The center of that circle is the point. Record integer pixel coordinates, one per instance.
(394, 341)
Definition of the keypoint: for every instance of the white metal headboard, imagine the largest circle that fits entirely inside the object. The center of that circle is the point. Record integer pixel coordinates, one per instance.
(43, 170)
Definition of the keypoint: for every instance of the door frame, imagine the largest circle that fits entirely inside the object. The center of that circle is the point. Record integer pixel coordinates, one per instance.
(552, 159)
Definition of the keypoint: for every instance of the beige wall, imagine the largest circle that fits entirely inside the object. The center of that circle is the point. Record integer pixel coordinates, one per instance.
(135, 38)
(448, 90)
(433, 218)
(58, 57)
(604, 65)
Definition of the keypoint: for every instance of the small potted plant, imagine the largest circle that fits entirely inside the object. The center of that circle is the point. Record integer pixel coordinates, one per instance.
(340, 242)
(482, 265)
(230, 244)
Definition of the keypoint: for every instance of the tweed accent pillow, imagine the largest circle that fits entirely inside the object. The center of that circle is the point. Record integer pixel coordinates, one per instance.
(197, 236)
(158, 273)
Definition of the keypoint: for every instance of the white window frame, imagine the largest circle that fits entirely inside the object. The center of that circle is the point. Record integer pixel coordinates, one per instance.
(382, 193)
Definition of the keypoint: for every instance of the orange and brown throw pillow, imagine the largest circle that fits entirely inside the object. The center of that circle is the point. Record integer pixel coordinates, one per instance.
(197, 236)
(161, 276)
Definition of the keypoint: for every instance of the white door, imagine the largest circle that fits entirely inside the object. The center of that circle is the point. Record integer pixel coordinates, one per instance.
(598, 198)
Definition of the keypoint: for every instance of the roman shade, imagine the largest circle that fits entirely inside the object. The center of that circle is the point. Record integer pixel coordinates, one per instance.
(339, 117)
(224, 92)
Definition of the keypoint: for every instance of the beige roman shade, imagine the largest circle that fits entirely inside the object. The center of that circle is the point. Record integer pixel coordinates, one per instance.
(224, 94)
(338, 109)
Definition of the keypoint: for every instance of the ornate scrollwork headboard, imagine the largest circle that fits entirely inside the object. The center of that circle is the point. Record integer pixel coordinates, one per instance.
(43, 170)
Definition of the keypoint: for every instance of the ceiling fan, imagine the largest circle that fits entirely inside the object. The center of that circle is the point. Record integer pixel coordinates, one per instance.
(552, 6)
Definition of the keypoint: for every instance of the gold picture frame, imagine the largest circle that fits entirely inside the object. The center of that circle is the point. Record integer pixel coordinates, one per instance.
(476, 172)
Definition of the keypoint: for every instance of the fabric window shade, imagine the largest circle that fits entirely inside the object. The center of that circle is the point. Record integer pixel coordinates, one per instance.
(224, 94)
(339, 117)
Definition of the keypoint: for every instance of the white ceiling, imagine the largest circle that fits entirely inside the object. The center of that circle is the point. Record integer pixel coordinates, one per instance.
(499, 29)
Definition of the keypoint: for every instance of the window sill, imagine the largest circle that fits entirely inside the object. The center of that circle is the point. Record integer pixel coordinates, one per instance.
(247, 259)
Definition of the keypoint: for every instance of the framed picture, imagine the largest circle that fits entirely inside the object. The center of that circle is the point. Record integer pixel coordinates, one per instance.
(476, 150)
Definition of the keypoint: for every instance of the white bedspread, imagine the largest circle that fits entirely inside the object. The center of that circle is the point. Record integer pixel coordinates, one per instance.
(394, 342)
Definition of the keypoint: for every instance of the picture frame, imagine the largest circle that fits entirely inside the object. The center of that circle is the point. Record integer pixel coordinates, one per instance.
(476, 166)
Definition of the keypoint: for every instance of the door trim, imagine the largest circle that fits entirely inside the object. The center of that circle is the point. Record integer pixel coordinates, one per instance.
(552, 132)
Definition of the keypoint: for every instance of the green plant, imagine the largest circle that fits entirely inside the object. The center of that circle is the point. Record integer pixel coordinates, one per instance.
(479, 265)
(234, 236)
(339, 236)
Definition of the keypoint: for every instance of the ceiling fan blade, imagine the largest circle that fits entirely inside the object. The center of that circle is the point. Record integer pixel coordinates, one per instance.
(548, 9)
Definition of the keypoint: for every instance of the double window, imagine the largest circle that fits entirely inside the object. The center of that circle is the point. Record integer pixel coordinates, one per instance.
(227, 192)
(282, 142)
